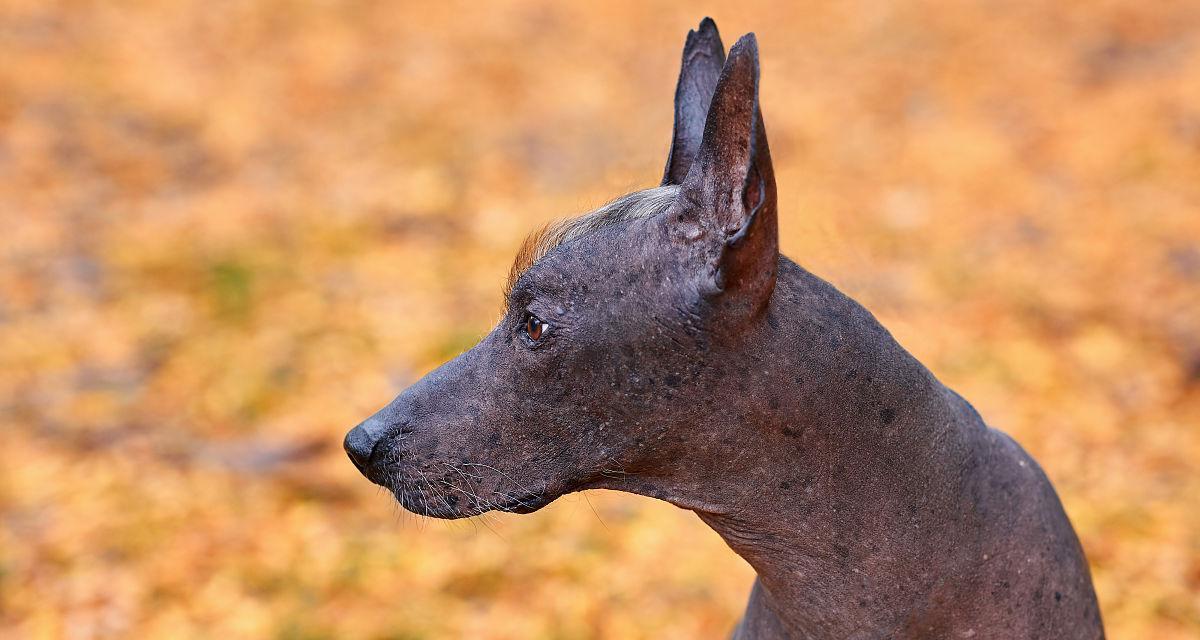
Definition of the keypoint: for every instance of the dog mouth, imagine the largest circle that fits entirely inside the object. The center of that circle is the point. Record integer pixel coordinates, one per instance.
(432, 485)
(446, 500)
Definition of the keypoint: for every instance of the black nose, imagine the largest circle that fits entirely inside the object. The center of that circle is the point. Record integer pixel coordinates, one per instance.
(359, 444)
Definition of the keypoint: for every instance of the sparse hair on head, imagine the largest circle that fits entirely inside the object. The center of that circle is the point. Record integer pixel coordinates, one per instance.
(645, 203)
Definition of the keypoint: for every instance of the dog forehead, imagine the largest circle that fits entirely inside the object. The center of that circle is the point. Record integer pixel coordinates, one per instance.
(617, 261)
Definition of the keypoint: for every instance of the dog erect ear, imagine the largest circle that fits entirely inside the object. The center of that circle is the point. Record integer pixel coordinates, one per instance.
(703, 57)
(729, 192)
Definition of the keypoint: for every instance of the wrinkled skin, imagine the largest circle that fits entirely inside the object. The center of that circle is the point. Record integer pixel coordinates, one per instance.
(683, 358)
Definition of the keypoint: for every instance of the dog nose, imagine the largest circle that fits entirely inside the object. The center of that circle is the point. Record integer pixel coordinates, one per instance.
(359, 444)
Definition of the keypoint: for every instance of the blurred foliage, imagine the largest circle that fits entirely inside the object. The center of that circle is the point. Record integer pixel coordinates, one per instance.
(231, 230)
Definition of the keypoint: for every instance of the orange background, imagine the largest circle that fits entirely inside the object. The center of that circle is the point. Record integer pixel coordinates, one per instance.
(232, 230)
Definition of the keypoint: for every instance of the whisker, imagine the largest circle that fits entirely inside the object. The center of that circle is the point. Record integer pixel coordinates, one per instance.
(593, 508)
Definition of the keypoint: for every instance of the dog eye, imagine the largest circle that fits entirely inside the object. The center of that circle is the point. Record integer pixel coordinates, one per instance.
(534, 327)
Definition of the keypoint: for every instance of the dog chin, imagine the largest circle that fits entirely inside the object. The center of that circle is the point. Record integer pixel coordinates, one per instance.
(423, 504)
(430, 506)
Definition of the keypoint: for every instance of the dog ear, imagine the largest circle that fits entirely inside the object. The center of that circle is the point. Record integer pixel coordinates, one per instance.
(729, 192)
(703, 57)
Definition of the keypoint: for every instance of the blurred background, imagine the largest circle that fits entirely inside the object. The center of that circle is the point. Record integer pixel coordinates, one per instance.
(232, 230)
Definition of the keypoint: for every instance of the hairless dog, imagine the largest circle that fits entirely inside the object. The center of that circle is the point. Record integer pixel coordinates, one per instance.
(661, 345)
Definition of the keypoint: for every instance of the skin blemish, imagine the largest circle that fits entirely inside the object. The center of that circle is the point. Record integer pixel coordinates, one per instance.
(887, 415)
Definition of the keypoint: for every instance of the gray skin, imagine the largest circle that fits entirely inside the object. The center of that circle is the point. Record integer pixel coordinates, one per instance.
(683, 358)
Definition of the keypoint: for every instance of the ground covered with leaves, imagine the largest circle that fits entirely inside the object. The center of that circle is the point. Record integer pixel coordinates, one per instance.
(231, 230)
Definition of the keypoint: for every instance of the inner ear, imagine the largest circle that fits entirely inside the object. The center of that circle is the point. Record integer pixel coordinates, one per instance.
(754, 196)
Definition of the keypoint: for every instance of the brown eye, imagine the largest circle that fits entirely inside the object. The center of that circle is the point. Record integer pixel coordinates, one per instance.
(534, 327)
